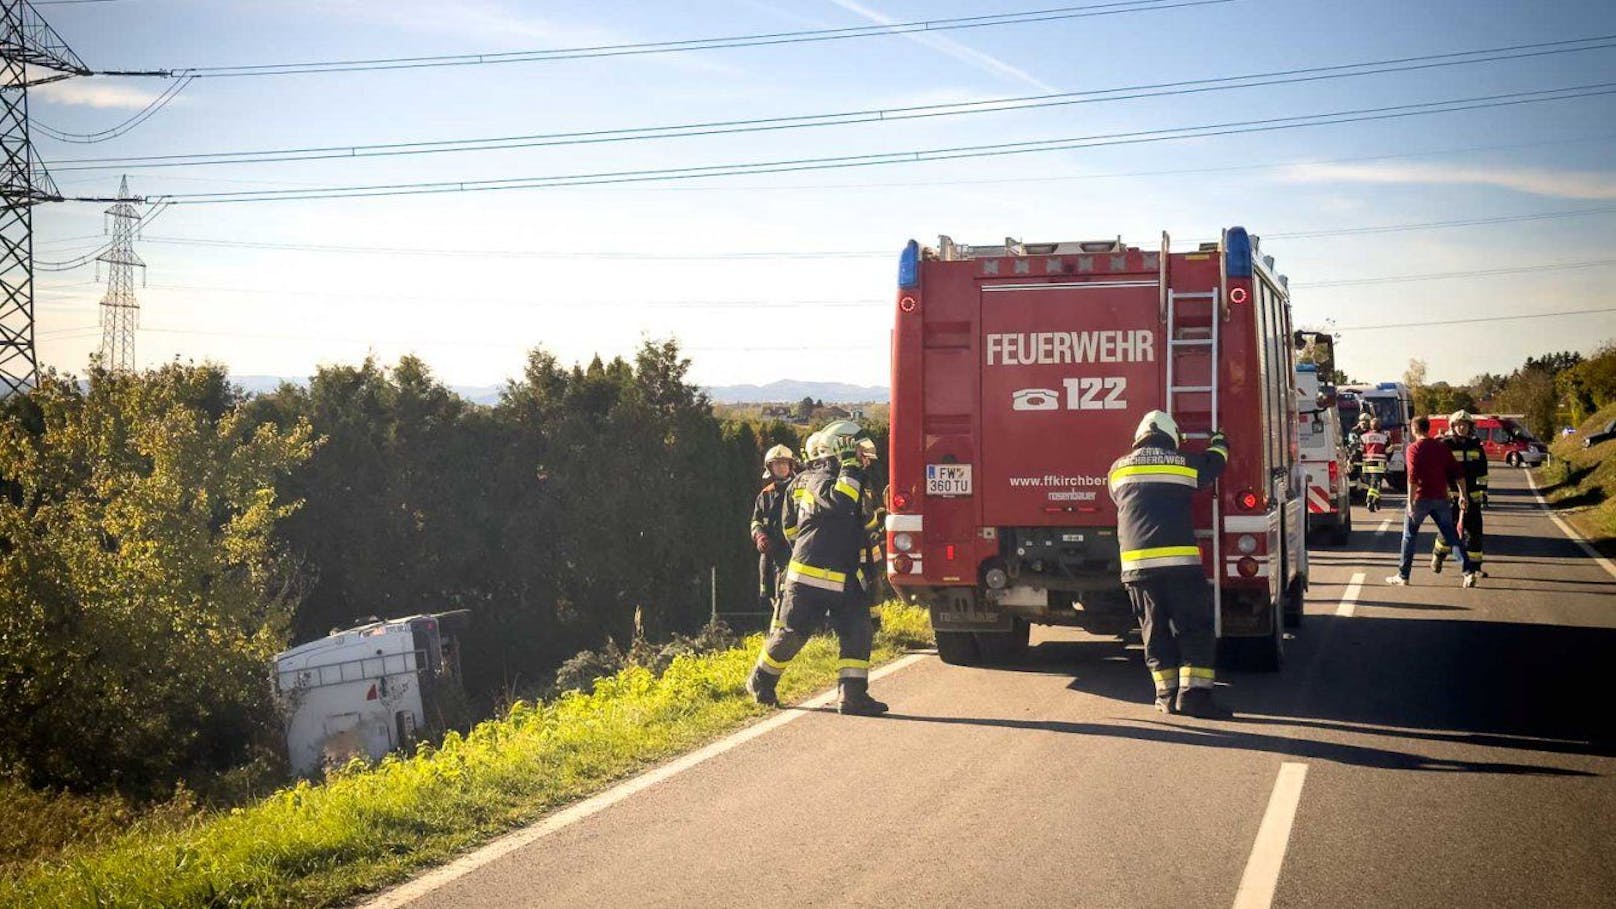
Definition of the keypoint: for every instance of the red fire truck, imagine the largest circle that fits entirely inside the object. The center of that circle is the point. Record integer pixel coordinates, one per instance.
(1019, 373)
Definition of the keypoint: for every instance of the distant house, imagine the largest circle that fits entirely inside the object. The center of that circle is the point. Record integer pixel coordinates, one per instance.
(837, 413)
(779, 411)
(855, 413)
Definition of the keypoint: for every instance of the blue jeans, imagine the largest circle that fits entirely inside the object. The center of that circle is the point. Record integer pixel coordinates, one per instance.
(1440, 513)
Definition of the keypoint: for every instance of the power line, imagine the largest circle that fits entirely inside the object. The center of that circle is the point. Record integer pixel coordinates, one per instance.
(1532, 315)
(938, 154)
(846, 118)
(697, 44)
(777, 255)
(1472, 273)
(150, 110)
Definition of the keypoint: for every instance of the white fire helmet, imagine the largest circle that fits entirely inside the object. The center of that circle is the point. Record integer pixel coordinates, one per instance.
(777, 453)
(1157, 421)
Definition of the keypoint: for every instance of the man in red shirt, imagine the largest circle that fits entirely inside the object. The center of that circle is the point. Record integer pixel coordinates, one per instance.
(1431, 468)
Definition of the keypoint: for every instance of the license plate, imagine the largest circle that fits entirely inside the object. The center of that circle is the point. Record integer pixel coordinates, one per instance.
(948, 479)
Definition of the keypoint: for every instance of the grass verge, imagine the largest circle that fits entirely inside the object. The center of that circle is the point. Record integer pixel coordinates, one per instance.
(367, 826)
(1581, 482)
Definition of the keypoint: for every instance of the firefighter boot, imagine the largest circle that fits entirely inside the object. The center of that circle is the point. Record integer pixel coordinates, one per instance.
(1198, 702)
(856, 699)
(760, 685)
(1167, 702)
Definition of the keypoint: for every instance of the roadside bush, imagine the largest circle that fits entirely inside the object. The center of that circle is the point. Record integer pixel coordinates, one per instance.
(144, 589)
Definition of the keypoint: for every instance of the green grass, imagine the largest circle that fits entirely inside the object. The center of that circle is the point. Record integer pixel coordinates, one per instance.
(1581, 482)
(368, 826)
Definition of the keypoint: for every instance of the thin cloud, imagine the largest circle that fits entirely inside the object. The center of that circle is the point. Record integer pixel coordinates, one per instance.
(984, 62)
(1560, 184)
(92, 94)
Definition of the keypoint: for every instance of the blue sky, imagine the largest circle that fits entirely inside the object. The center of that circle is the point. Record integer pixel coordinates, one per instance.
(266, 311)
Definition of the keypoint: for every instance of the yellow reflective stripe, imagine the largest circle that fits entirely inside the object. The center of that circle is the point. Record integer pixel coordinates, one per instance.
(790, 532)
(1164, 675)
(1140, 470)
(852, 664)
(1196, 672)
(769, 661)
(1160, 552)
(849, 487)
(803, 568)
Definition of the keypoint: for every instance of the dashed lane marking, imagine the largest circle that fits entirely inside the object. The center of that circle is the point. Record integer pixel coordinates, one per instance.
(1261, 878)
(1349, 598)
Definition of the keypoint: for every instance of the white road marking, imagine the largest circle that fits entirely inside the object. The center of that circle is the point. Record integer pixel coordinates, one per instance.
(412, 890)
(1571, 533)
(1384, 526)
(1349, 598)
(1257, 885)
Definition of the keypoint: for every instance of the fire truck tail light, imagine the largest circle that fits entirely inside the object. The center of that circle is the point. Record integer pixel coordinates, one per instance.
(903, 542)
(1335, 473)
(1247, 567)
(1247, 544)
(948, 552)
(901, 564)
(1238, 295)
(900, 501)
(1247, 500)
(907, 304)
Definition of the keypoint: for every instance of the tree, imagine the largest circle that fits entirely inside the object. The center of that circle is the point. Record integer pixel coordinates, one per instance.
(805, 409)
(145, 588)
(1414, 375)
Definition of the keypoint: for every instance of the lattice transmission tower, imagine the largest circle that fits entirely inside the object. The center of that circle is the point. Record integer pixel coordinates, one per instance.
(120, 313)
(31, 53)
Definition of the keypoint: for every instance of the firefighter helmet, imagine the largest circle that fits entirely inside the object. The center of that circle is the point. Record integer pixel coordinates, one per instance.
(812, 447)
(1461, 416)
(866, 447)
(840, 437)
(1157, 421)
(1365, 418)
(777, 453)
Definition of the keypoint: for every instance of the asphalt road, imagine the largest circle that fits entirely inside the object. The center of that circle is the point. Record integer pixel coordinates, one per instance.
(1458, 751)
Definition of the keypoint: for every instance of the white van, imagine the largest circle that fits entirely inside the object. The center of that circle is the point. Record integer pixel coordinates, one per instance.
(366, 691)
(1324, 460)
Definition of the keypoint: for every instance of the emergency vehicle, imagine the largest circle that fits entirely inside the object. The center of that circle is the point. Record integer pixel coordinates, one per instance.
(367, 690)
(1503, 438)
(1019, 373)
(1325, 464)
(1393, 405)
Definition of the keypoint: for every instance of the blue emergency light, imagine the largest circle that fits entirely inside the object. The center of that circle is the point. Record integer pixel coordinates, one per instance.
(1237, 253)
(909, 267)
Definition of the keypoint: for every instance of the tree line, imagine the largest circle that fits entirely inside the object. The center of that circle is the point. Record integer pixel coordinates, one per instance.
(163, 534)
(1552, 391)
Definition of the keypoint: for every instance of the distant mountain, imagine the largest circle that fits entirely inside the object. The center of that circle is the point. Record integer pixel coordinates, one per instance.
(795, 390)
(477, 394)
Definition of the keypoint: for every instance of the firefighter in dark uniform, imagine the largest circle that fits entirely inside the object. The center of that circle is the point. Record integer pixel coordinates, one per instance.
(872, 558)
(773, 550)
(1161, 563)
(1374, 444)
(1468, 498)
(825, 523)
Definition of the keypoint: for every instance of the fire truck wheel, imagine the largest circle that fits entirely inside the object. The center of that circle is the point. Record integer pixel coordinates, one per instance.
(958, 648)
(1264, 654)
(1004, 647)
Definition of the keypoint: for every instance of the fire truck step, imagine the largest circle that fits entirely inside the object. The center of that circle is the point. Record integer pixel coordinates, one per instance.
(1191, 342)
(1191, 389)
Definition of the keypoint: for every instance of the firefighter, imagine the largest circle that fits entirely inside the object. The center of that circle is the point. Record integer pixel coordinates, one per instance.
(1161, 563)
(773, 551)
(1374, 444)
(823, 518)
(872, 557)
(1466, 499)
